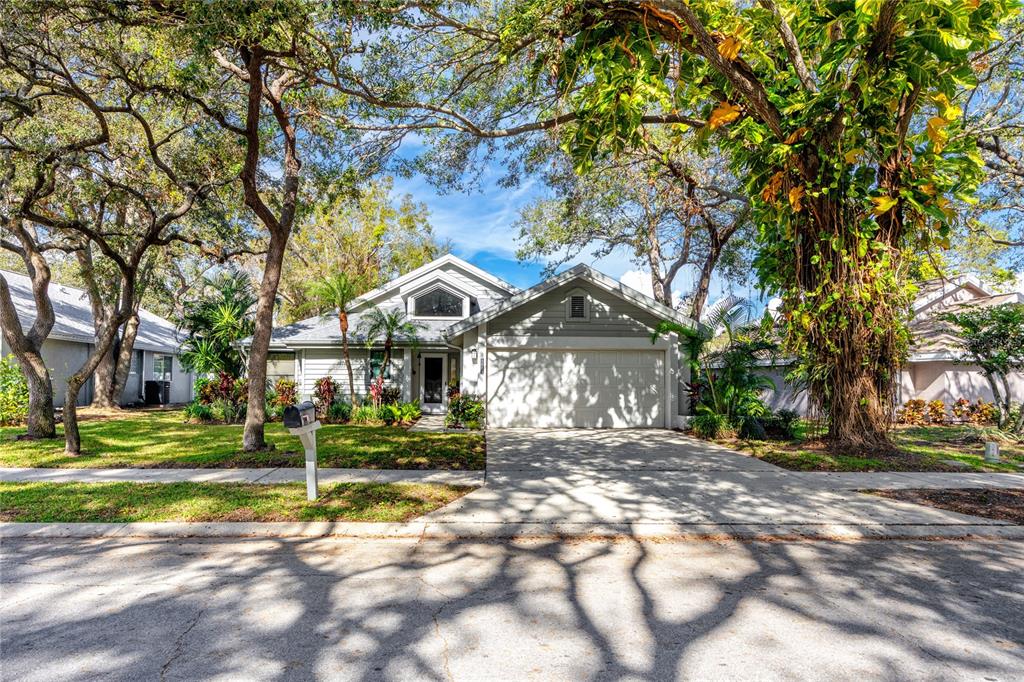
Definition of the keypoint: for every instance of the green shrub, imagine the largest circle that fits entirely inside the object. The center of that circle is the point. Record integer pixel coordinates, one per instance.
(399, 413)
(410, 412)
(753, 429)
(389, 413)
(365, 414)
(198, 413)
(782, 425)
(709, 424)
(228, 411)
(339, 412)
(13, 393)
(465, 411)
(390, 395)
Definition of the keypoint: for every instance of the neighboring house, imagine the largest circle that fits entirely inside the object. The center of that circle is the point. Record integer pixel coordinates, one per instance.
(155, 357)
(575, 350)
(931, 372)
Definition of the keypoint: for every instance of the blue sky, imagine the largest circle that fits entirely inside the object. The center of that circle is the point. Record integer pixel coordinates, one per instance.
(480, 227)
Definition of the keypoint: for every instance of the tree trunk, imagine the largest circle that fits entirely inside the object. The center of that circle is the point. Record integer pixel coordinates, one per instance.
(1004, 411)
(123, 366)
(996, 398)
(859, 410)
(700, 293)
(343, 321)
(104, 342)
(27, 347)
(40, 397)
(253, 438)
(103, 381)
(72, 438)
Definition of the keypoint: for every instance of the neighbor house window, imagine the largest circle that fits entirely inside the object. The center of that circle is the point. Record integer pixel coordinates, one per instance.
(162, 367)
(376, 362)
(577, 306)
(438, 303)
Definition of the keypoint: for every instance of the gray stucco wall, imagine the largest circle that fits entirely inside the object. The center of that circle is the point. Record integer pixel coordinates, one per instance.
(63, 358)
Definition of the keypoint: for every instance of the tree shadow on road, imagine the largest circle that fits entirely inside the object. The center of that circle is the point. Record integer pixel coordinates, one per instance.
(370, 610)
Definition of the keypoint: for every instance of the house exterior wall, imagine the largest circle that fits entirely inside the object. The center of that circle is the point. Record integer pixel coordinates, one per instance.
(785, 396)
(545, 316)
(450, 275)
(321, 362)
(611, 323)
(63, 358)
(947, 381)
(934, 380)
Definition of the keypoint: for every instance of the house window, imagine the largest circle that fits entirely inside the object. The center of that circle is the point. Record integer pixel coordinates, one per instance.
(162, 367)
(438, 303)
(376, 362)
(577, 306)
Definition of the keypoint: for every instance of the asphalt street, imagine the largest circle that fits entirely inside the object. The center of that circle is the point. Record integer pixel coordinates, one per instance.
(135, 609)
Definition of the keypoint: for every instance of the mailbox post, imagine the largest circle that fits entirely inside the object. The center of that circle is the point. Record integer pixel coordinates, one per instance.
(301, 421)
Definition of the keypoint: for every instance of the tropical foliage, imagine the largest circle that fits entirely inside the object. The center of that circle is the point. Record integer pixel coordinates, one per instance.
(335, 293)
(993, 339)
(384, 327)
(13, 392)
(215, 321)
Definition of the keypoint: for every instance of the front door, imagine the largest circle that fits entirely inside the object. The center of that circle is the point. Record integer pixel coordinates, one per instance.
(433, 383)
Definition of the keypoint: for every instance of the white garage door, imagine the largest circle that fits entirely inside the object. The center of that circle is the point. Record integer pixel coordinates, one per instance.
(593, 389)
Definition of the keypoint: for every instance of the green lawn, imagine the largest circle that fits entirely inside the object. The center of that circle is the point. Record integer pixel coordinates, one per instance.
(921, 448)
(127, 502)
(162, 439)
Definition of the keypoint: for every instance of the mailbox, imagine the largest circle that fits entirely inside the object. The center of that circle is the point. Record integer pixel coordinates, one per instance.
(299, 415)
(300, 420)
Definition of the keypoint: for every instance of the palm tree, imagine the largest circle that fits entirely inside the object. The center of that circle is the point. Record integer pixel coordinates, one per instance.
(387, 325)
(336, 292)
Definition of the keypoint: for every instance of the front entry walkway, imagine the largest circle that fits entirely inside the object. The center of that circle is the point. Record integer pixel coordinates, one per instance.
(606, 479)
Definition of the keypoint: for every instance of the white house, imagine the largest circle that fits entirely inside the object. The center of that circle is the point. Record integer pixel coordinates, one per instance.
(931, 372)
(156, 354)
(575, 350)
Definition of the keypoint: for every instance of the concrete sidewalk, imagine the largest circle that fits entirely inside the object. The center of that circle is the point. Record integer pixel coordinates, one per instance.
(777, 479)
(268, 475)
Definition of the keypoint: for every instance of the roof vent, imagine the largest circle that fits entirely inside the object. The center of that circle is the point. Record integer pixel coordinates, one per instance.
(578, 307)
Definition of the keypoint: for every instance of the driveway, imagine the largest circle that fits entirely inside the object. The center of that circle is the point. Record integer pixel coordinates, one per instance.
(603, 478)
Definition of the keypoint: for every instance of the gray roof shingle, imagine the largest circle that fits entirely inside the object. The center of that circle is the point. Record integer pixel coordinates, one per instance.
(73, 316)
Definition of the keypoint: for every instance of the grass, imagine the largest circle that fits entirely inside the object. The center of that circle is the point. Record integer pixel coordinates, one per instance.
(919, 448)
(128, 502)
(163, 439)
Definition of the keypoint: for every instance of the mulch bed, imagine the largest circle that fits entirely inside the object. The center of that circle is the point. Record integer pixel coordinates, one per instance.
(1005, 504)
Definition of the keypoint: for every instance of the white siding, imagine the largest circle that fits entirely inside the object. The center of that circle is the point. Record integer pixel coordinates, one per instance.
(321, 362)
(610, 316)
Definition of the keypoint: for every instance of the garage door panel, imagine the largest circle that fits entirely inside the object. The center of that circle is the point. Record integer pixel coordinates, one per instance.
(596, 389)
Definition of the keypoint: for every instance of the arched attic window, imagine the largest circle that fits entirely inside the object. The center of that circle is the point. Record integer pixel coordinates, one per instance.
(438, 302)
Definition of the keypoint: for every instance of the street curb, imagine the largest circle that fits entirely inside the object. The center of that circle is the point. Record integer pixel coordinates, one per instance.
(511, 531)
